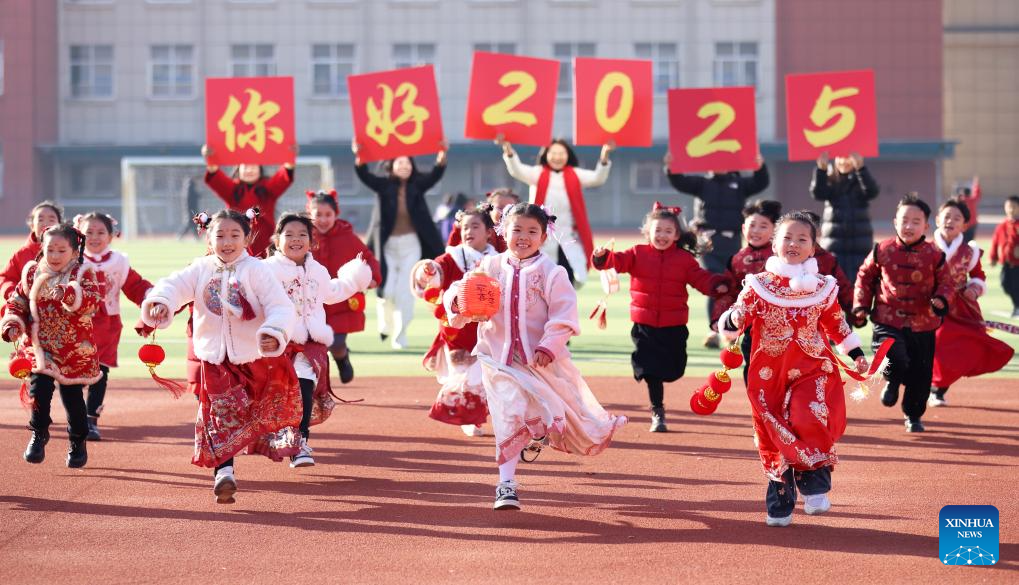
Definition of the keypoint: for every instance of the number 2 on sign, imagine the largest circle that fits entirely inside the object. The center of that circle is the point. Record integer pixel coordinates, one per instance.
(706, 142)
(502, 112)
(824, 112)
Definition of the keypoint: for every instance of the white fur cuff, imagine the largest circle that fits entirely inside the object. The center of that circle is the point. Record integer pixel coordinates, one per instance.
(851, 342)
(980, 284)
(76, 303)
(357, 272)
(156, 300)
(727, 333)
(276, 334)
(11, 319)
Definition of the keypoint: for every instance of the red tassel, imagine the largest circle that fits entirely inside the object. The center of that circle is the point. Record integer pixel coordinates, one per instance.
(247, 312)
(175, 388)
(600, 313)
(26, 399)
(603, 320)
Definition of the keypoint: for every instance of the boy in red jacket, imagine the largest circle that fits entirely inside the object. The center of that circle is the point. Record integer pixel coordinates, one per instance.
(905, 285)
(1005, 249)
(660, 271)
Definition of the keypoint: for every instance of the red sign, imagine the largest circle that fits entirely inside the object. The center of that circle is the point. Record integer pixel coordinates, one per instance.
(613, 100)
(396, 113)
(712, 129)
(250, 120)
(834, 112)
(513, 96)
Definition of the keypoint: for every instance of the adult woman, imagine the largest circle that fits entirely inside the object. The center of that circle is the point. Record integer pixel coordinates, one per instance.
(847, 188)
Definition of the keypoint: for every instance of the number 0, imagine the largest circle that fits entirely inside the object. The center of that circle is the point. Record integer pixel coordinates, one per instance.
(705, 143)
(608, 84)
(502, 112)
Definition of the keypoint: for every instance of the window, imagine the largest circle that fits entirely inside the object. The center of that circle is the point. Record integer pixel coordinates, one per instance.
(490, 175)
(735, 63)
(91, 71)
(330, 66)
(1, 67)
(565, 52)
(252, 60)
(505, 48)
(94, 180)
(648, 177)
(665, 57)
(172, 71)
(413, 54)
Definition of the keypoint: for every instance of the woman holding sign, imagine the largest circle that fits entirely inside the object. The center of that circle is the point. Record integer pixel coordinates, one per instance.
(557, 183)
(401, 233)
(847, 188)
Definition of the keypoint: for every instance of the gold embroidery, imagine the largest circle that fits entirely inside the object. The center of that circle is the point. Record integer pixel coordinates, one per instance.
(765, 373)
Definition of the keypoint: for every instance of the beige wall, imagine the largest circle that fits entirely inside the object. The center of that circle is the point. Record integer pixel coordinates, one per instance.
(982, 95)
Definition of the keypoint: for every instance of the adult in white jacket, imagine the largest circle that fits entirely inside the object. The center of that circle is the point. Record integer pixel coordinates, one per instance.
(242, 324)
(307, 284)
(558, 183)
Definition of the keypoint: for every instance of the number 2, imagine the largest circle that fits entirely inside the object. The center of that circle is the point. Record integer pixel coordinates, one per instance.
(502, 112)
(705, 143)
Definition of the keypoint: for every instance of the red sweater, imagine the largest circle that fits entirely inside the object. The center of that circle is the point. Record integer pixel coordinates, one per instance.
(263, 193)
(1005, 244)
(658, 281)
(334, 249)
(11, 275)
(897, 283)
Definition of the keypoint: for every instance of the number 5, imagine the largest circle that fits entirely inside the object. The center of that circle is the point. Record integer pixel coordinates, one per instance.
(705, 143)
(502, 112)
(824, 112)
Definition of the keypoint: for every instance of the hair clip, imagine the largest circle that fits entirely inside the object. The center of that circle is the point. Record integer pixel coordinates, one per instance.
(252, 213)
(202, 220)
(674, 210)
(311, 193)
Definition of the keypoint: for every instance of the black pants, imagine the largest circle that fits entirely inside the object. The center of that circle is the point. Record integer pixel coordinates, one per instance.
(781, 495)
(655, 392)
(1010, 282)
(562, 261)
(97, 393)
(910, 365)
(745, 345)
(307, 390)
(339, 347)
(41, 388)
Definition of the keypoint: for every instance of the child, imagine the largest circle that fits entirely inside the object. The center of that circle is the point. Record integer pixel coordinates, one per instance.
(661, 270)
(335, 245)
(795, 390)
(535, 394)
(461, 398)
(249, 187)
(904, 286)
(309, 287)
(43, 216)
(556, 181)
(759, 219)
(242, 325)
(51, 311)
(1005, 249)
(962, 346)
(498, 199)
(116, 275)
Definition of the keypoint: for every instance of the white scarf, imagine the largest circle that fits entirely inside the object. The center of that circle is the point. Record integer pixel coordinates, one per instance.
(802, 277)
(948, 249)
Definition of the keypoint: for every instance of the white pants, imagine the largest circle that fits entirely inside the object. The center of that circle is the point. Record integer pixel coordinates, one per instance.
(574, 252)
(396, 305)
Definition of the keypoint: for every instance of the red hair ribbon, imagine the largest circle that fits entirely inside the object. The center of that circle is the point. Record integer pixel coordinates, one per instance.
(675, 210)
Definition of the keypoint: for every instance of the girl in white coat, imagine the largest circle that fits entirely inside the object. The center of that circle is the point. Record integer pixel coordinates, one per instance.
(309, 287)
(247, 389)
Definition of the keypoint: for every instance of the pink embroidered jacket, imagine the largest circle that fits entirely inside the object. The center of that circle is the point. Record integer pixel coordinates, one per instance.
(537, 309)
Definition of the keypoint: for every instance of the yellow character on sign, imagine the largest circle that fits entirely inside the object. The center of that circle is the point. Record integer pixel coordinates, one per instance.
(707, 142)
(257, 114)
(824, 112)
(381, 124)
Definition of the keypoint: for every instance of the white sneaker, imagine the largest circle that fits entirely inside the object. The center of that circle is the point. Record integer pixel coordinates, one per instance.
(935, 401)
(472, 430)
(814, 505)
(225, 486)
(303, 457)
(506, 496)
(786, 521)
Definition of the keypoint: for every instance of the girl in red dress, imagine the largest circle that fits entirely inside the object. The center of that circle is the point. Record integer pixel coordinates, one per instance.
(461, 399)
(962, 346)
(243, 321)
(116, 275)
(51, 313)
(43, 216)
(794, 386)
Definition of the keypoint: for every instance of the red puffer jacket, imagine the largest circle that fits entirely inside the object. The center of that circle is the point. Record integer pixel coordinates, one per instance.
(658, 281)
(11, 275)
(334, 249)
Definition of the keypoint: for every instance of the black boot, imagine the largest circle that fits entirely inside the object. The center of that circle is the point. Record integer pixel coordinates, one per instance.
(890, 395)
(77, 454)
(36, 451)
(346, 369)
(93, 429)
(658, 420)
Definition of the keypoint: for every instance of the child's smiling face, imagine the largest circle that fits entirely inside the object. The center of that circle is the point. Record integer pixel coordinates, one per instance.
(950, 223)
(227, 239)
(758, 230)
(525, 236)
(794, 242)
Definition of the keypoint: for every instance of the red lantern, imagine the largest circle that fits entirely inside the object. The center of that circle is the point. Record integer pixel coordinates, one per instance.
(152, 355)
(20, 367)
(705, 401)
(479, 296)
(720, 381)
(732, 357)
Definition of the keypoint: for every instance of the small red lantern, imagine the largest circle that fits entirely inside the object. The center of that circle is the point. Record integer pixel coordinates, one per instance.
(152, 355)
(479, 297)
(705, 401)
(720, 381)
(732, 357)
(20, 367)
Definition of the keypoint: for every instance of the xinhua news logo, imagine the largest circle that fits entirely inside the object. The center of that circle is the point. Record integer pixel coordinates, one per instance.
(968, 535)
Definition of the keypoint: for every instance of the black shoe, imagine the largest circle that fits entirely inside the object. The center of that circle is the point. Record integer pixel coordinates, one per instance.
(36, 451)
(383, 336)
(658, 420)
(93, 429)
(890, 395)
(77, 454)
(913, 425)
(346, 370)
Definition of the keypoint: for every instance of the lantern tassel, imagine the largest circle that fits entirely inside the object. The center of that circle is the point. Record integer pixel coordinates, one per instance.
(26, 399)
(600, 313)
(174, 387)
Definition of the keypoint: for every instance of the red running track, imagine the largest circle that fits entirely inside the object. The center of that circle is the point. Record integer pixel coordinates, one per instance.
(398, 498)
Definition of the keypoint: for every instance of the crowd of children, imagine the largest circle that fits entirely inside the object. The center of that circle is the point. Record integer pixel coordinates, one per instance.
(272, 300)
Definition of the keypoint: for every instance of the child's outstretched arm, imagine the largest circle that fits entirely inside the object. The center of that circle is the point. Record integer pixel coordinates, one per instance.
(352, 278)
(735, 319)
(602, 259)
(943, 289)
(135, 287)
(170, 294)
(280, 315)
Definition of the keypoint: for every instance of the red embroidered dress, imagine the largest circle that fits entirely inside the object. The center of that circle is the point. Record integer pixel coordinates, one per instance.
(962, 346)
(795, 390)
(55, 312)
